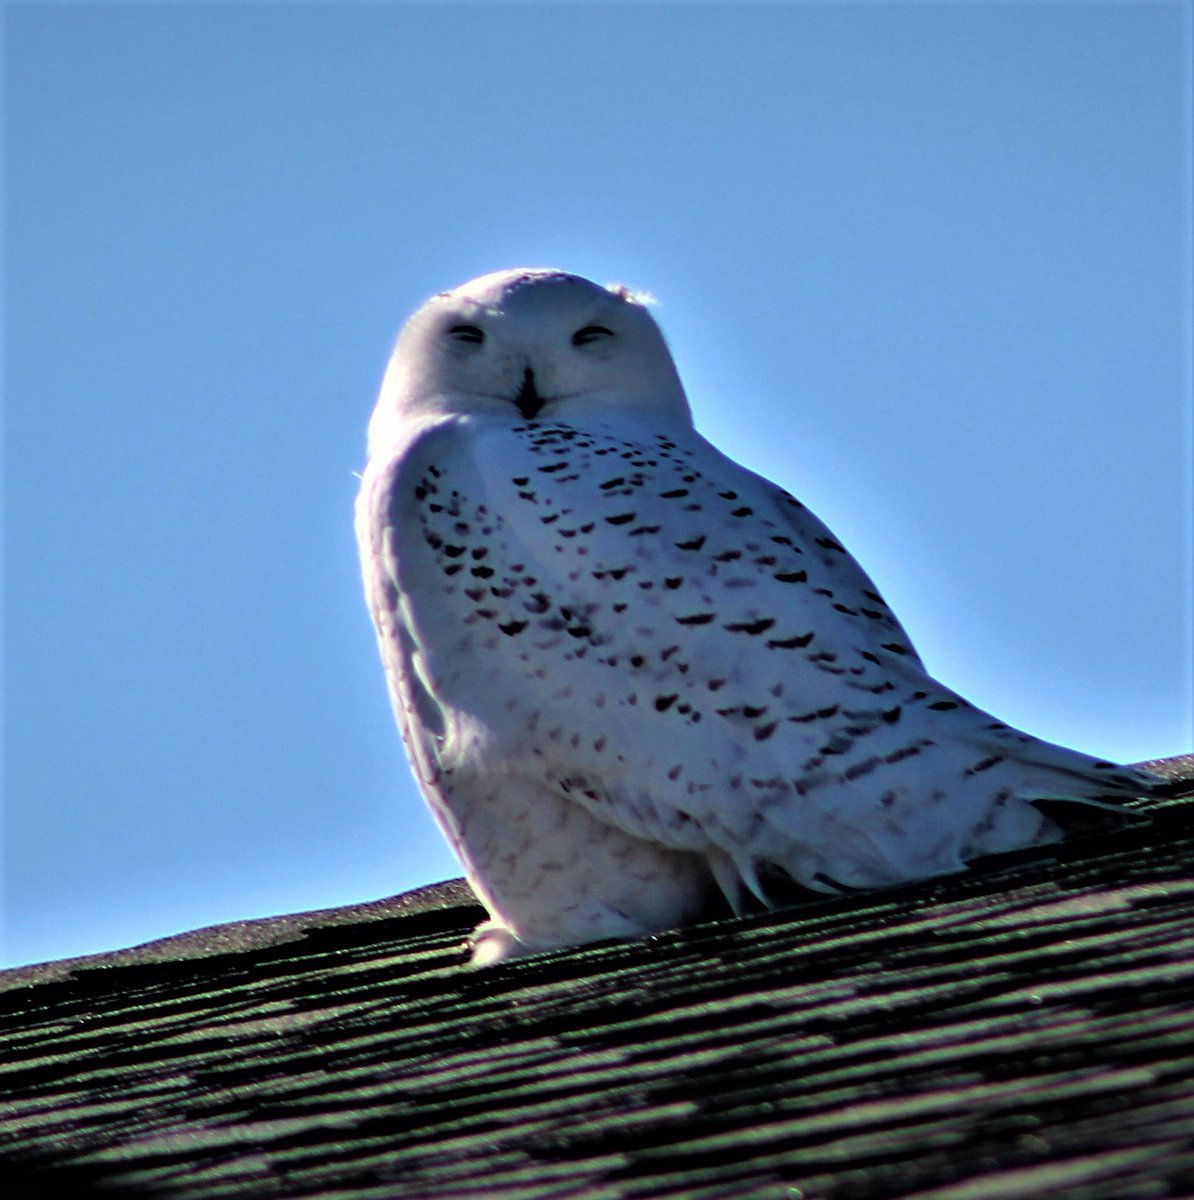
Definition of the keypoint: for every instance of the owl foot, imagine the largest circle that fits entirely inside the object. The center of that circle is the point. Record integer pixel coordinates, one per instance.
(493, 943)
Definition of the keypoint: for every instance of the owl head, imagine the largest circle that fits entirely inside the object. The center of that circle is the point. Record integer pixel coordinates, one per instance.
(531, 344)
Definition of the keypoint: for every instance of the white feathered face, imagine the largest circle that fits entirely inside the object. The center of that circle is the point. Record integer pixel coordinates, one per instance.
(529, 345)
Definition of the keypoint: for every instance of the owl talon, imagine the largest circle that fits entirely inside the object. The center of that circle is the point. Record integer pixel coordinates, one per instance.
(493, 943)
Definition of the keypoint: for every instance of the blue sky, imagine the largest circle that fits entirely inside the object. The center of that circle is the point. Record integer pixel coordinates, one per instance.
(926, 265)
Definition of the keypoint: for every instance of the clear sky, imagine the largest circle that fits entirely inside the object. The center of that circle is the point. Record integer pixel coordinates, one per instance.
(926, 265)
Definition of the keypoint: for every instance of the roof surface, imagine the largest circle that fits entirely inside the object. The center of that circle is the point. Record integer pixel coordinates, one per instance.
(1022, 1031)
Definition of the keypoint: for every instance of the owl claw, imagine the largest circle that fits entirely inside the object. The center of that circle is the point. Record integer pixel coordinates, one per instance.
(493, 943)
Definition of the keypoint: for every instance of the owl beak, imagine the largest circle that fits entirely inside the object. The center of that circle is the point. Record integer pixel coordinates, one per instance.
(528, 400)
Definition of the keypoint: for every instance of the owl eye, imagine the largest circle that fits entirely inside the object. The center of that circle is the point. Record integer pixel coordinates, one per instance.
(466, 333)
(591, 333)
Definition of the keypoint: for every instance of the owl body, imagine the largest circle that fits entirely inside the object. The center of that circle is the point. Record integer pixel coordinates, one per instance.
(629, 672)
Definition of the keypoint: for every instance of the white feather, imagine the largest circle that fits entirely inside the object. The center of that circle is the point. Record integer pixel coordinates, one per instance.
(627, 669)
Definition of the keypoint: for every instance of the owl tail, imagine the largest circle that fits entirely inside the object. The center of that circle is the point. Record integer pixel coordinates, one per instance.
(921, 823)
(1056, 786)
(1056, 773)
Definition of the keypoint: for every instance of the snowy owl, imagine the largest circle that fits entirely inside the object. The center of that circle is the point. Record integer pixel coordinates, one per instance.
(629, 673)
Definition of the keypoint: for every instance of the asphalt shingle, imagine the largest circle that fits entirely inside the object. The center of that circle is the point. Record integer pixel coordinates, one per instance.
(1024, 1030)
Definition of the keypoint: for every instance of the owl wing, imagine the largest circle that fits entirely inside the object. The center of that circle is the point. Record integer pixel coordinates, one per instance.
(665, 638)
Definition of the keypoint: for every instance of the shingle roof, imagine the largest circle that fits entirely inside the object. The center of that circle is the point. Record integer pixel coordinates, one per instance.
(1022, 1031)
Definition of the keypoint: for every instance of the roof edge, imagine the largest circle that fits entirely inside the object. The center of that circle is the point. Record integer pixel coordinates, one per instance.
(238, 937)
